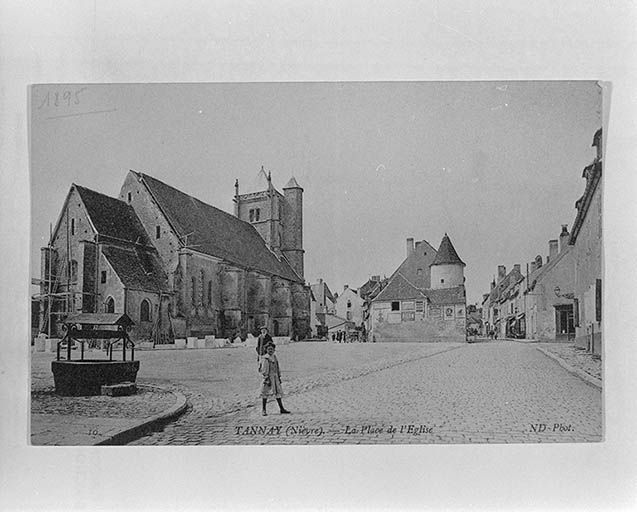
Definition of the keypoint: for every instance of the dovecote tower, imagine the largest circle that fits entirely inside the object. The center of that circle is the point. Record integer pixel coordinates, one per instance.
(447, 269)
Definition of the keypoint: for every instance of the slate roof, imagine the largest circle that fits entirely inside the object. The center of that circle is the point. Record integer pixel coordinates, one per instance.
(215, 232)
(447, 253)
(399, 289)
(512, 277)
(446, 295)
(321, 290)
(540, 273)
(112, 217)
(292, 183)
(422, 257)
(138, 269)
(371, 288)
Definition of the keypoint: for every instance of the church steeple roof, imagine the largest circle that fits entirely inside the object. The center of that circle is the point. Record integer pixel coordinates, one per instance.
(292, 183)
(447, 254)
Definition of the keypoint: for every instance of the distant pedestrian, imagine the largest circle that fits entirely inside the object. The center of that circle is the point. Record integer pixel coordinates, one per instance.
(271, 385)
(263, 340)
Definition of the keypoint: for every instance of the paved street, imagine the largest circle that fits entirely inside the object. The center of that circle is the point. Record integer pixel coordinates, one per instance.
(495, 392)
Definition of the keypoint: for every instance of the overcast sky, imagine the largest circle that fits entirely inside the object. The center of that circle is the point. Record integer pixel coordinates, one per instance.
(496, 165)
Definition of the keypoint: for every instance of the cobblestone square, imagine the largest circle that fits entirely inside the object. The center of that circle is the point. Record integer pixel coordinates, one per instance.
(392, 393)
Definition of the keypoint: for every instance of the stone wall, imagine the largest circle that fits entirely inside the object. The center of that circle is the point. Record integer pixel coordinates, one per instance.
(425, 330)
(167, 244)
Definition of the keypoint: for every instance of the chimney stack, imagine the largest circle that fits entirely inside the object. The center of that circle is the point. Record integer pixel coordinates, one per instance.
(493, 283)
(502, 272)
(564, 237)
(345, 287)
(552, 250)
(410, 246)
(533, 267)
(376, 278)
(517, 267)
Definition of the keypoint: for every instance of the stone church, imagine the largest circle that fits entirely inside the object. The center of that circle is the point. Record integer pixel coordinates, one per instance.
(176, 265)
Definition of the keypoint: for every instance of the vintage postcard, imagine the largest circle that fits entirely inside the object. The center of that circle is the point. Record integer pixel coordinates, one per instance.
(316, 263)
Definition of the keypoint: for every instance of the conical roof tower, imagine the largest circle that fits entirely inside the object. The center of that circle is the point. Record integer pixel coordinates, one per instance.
(447, 254)
(447, 269)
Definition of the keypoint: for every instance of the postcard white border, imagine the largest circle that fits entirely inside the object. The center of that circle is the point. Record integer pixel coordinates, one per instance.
(165, 41)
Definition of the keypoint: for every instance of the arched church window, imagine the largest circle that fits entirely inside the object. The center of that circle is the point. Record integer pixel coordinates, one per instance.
(144, 311)
(110, 305)
(73, 271)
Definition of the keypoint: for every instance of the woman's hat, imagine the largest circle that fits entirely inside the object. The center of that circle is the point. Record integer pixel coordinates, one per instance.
(263, 327)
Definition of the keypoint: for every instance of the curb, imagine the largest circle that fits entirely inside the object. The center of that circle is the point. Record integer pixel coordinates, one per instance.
(145, 425)
(589, 379)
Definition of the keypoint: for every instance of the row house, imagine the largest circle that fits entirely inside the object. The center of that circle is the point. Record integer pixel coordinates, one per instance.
(586, 241)
(499, 305)
(559, 299)
(368, 292)
(536, 304)
(349, 305)
(549, 293)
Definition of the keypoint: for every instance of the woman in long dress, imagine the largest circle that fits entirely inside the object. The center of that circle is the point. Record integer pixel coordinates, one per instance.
(271, 385)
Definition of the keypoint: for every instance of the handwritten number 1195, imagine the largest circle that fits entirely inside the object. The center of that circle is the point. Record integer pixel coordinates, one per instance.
(61, 99)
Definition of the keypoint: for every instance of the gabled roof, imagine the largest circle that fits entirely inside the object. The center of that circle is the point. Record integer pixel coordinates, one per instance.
(420, 258)
(399, 289)
(512, 277)
(112, 217)
(446, 295)
(539, 274)
(322, 290)
(138, 269)
(215, 232)
(447, 253)
(371, 288)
